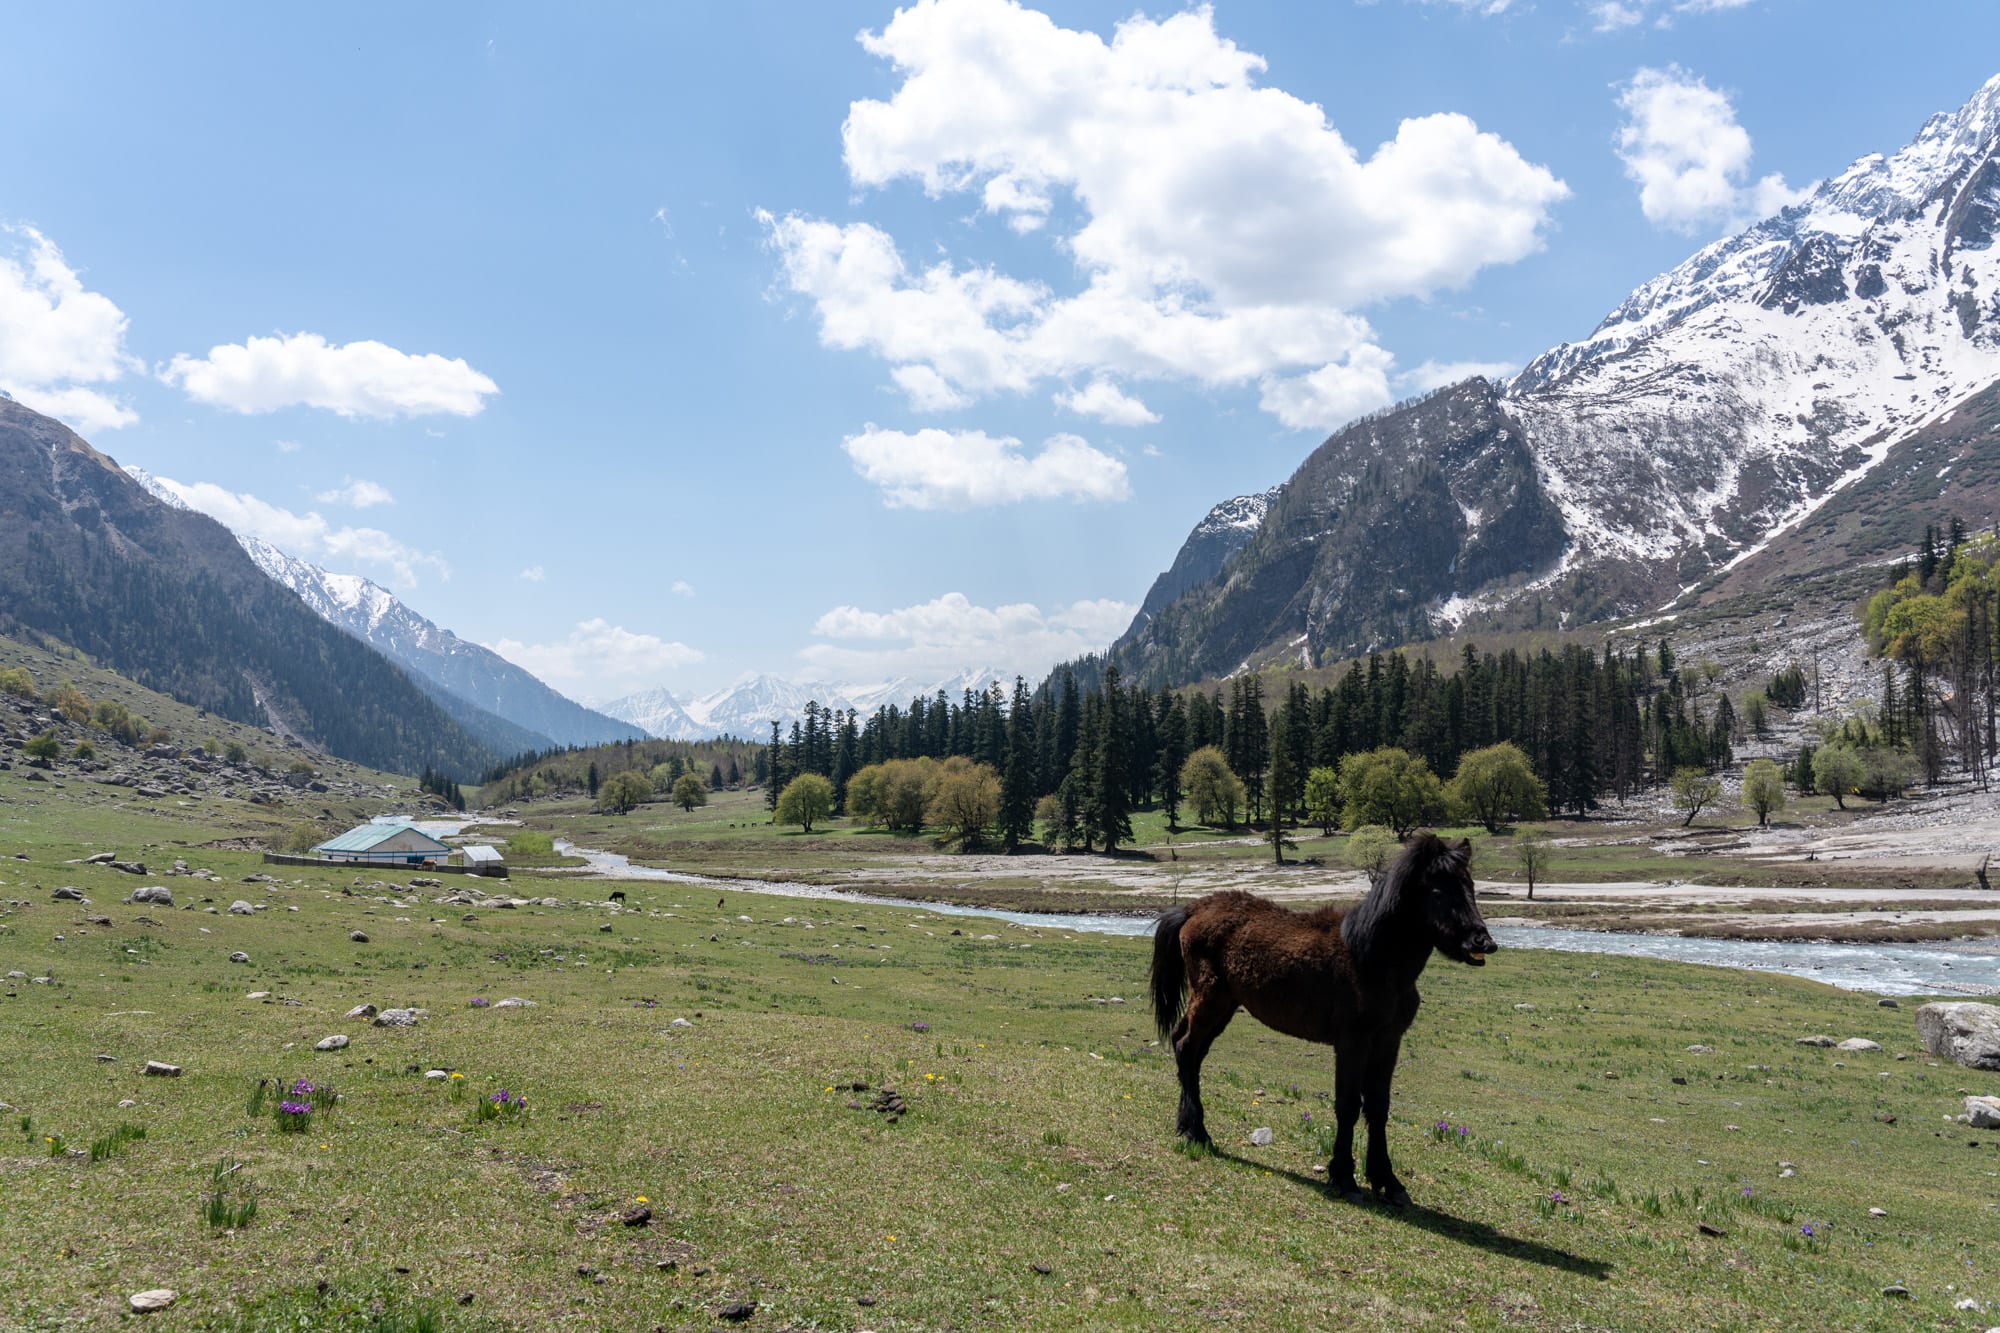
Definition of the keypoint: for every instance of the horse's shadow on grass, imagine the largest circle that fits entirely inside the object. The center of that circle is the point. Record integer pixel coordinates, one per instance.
(1476, 1234)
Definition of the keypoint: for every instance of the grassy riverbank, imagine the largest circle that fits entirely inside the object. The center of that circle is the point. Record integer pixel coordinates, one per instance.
(1035, 1136)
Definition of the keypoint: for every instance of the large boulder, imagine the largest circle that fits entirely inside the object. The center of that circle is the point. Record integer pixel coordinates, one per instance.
(1963, 1031)
(154, 893)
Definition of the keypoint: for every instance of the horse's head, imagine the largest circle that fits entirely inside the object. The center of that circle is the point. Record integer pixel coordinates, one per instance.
(1457, 928)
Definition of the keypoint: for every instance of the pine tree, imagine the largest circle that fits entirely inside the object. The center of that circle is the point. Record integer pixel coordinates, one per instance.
(1111, 808)
(1017, 776)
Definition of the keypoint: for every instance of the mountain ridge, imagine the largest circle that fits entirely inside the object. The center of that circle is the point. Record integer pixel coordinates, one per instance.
(1714, 408)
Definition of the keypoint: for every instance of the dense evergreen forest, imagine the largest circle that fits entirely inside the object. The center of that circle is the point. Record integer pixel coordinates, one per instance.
(1592, 725)
(582, 770)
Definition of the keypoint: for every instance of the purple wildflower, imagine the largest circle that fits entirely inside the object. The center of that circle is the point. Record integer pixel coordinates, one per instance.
(294, 1108)
(480, 1002)
(500, 1098)
(1556, 1196)
(1806, 1231)
(920, 1027)
(303, 1089)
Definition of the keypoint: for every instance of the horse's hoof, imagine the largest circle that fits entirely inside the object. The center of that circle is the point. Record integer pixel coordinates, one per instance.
(1354, 1196)
(1393, 1195)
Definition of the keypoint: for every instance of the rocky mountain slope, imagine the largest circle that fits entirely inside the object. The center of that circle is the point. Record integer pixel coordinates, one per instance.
(507, 708)
(167, 597)
(1717, 408)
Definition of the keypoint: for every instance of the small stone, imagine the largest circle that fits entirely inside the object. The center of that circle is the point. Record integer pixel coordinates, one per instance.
(1787, 1173)
(155, 893)
(333, 1043)
(127, 1104)
(1524, 1008)
(513, 1002)
(1733, 1129)
(1896, 1291)
(1878, 1212)
(1860, 1044)
(605, 928)
(67, 894)
(239, 957)
(358, 936)
(1261, 1137)
(161, 1069)
(1820, 1040)
(636, 1217)
(1699, 1049)
(241, 908)
(736, 1311)
(398, 1018)
(360, 1011)
(1983, 1112)
(1967, 1304)
(1887, 1004)
(258, 995)
(681, 1023)
(1708, 1229)
(866, 1301)
(159, 1298)
(437, 1073)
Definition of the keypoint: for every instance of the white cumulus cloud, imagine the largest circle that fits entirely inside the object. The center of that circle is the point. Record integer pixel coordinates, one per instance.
(1437, 374)
(969, 469)
(1108, 403)
(532, 574)
(599, 660)
(1614, 15)
(681, 588)
(357, 379)
(357, 494)
(58, 341)
(1143, 134)
(938, 637)
(308, 536)
(1682, 147)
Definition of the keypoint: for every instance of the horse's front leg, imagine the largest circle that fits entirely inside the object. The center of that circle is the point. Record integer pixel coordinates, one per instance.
(1375, 1104)
(1348, 1061)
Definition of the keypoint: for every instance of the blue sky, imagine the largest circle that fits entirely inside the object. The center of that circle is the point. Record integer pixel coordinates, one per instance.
(592, 333)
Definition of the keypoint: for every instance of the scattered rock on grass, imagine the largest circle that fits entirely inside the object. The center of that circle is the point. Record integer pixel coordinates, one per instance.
(154, 893)
(1860, 1044)
(239, 957)
(636, 1217)
(1261, 1137)
(360, 1011)
(1962, 1031)
(358, 936)
(333, 1043)
(398, 1018)
(736, 1311)
(1896, 1291)
(1821, 1040)
(513, 1002)
(159, 1298)
(161, 1069)
(68, 894)
(1983, 1112)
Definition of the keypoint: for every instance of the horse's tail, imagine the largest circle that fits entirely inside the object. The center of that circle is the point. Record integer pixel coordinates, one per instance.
(1169, 971)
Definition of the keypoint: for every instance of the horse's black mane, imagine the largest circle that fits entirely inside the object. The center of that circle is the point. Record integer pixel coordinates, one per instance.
(1373, 918)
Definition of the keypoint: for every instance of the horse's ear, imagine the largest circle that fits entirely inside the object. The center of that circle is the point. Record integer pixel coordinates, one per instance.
(1465, 845)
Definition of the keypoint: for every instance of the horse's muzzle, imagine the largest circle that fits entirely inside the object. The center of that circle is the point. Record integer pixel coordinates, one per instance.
(1476, 950)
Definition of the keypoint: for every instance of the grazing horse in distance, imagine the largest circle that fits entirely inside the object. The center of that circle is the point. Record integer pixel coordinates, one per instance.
(1344, 977)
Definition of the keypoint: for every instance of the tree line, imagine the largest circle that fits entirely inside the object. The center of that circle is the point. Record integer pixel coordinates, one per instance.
(1074, 763)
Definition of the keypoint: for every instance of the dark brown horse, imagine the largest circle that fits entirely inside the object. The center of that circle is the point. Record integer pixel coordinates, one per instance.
(1347, 978)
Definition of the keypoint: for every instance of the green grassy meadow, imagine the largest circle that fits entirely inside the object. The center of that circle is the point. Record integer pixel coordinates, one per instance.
(1031, 1182)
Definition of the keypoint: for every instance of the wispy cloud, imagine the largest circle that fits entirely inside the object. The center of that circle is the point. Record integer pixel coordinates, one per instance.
(309, 536)
(969, 469)
(599, 660)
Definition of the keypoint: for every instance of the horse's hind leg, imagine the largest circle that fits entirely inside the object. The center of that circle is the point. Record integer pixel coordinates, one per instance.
(1375, 1105)
(1209, 1010)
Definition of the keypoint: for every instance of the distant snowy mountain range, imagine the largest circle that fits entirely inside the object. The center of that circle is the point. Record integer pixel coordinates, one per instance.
(513, 712)
(748, 707)
(503, 705)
